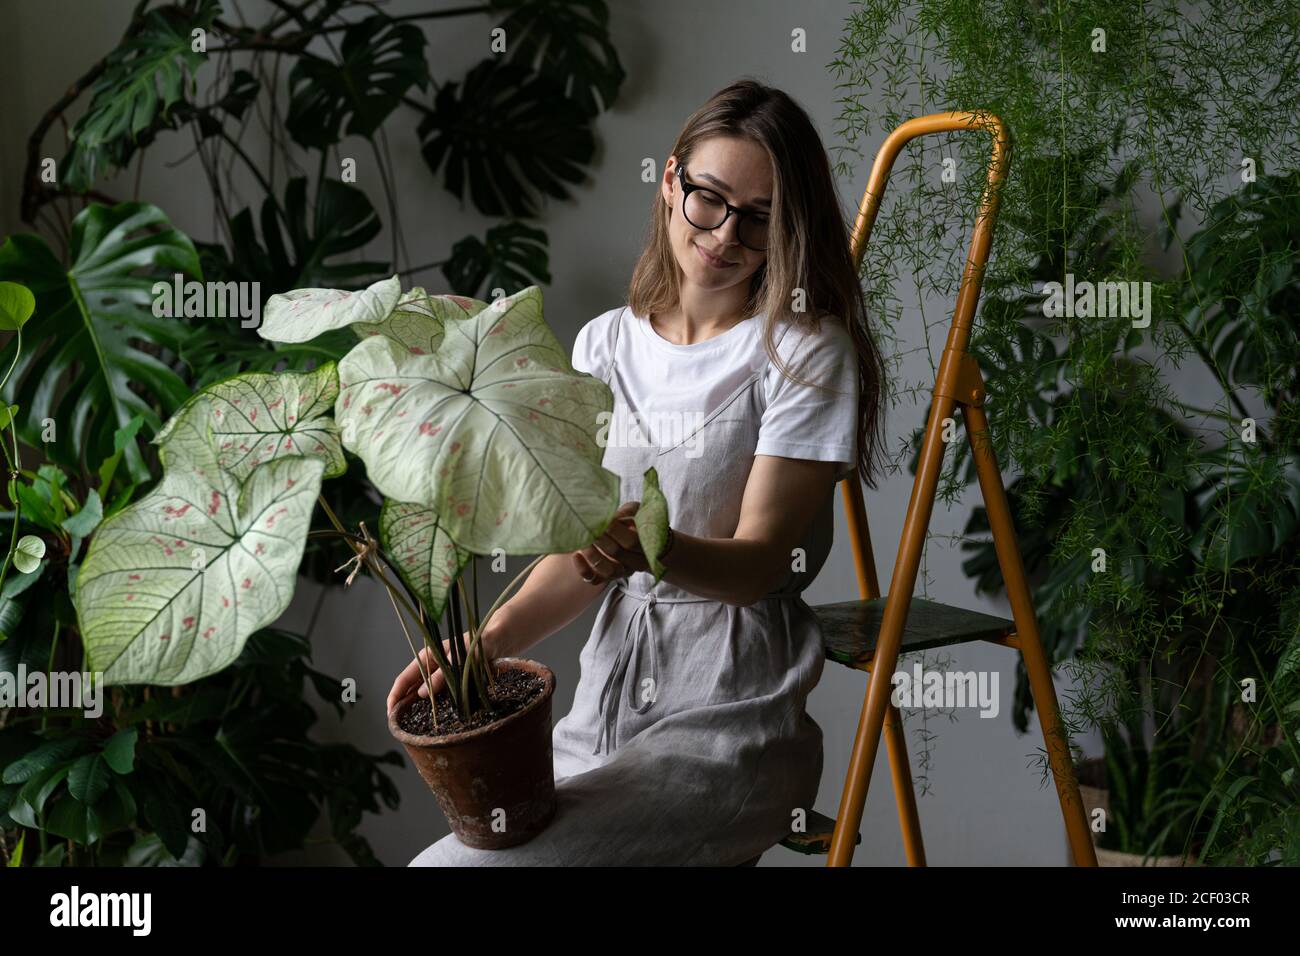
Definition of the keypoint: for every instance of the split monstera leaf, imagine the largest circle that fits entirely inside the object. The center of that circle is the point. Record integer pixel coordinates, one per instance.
(469, 420)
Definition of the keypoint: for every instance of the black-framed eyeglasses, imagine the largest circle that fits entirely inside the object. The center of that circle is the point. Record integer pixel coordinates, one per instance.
(706, 209)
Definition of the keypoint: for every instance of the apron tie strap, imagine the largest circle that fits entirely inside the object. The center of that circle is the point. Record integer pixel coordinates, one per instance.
(629, 658)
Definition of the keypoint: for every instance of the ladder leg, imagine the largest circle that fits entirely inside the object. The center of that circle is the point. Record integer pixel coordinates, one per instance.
(1031, 645)
(895, 740)
(908, 819)
(890, 639)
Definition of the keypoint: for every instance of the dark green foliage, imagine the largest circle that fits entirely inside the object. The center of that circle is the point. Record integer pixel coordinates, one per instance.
(1191, 499)
(106, 371)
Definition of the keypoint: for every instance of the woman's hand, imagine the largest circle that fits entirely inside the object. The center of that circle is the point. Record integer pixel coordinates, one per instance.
(411, 680)
(616, 553)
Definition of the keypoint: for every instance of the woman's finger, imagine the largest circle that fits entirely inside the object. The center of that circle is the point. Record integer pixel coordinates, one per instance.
(411, 679)
(612, 555)
(592, 567)
(403, 685)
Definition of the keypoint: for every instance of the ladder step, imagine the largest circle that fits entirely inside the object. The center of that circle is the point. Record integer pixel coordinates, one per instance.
(850, 628)
(818, 837)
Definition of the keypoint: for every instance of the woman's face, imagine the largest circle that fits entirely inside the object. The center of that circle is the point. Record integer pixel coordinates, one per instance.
(738, 170)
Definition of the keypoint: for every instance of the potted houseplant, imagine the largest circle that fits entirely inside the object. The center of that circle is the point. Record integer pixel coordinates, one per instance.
(479, 434)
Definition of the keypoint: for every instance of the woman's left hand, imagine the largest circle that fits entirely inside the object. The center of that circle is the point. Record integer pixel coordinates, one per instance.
(616, 553)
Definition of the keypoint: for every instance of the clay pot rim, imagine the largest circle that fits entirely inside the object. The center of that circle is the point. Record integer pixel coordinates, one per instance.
(465, 736)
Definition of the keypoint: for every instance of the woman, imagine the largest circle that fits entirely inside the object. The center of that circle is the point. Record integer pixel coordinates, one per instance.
(743, 370)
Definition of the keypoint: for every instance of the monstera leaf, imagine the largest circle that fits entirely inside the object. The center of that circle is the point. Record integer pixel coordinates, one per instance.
(424, 554)
(143, 78)
(419, 320)
(302, 244)
(259, 417)
(569, 40)
(174, 584)
(510, 133)
(303, 314)
(382, 60)
(495, 432)
(91, 363)
(512, 256)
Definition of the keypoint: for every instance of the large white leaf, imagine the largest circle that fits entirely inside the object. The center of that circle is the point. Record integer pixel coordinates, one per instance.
(495, 432)
(419, 319)
(303, 314)
(174, 584)
(424, 554)
(261, 416)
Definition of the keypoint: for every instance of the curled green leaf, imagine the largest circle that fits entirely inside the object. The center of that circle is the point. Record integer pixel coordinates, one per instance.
(652, 522)
(28, 554)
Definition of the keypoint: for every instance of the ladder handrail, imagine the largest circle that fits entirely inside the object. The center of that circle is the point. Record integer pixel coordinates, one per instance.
(958, 374)
(967, 295)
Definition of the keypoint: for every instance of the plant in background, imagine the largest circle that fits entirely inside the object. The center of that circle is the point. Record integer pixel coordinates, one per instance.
(1159, 532)
(101, 372)
(225, 773)
(16, 306)
(89, 786)
(518, 128)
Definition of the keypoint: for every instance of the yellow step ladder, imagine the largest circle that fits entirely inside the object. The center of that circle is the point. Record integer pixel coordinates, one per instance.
(869, 634)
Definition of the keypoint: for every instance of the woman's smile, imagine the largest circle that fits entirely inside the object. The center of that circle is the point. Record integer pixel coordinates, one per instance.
(714, 261)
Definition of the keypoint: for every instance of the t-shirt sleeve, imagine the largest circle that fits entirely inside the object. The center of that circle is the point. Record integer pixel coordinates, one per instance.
(803, 421)
(591, 348)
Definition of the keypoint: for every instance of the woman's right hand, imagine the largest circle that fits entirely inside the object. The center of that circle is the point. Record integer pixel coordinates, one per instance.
(411, 680)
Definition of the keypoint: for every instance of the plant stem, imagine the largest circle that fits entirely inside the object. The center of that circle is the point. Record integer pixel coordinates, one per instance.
(395, 594)
(424, 672)
(49, 668)
(398, 594)
(18, 351)
(501, 598)
(13, 496)
(477, 664)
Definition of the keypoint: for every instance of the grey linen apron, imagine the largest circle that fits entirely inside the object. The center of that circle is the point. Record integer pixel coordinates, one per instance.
(688, 742)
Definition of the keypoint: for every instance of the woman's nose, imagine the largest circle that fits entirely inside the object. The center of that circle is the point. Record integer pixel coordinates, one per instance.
(727, 232)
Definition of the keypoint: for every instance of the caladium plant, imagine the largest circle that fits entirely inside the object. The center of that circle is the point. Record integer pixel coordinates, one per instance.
(469, 419)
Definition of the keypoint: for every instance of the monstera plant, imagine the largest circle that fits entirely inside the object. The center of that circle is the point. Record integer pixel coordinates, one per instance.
(470, 421)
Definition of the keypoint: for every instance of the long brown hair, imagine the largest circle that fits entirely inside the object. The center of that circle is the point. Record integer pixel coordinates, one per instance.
(808, 250)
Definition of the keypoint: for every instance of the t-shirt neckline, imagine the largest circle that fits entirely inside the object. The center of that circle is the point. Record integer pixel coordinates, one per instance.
(695, 348)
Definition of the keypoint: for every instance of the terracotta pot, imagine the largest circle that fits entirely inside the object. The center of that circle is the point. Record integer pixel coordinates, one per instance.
(1091, 774)
(495, 784)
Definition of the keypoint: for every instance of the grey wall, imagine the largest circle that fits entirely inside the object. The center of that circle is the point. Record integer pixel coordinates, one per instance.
(986, 801)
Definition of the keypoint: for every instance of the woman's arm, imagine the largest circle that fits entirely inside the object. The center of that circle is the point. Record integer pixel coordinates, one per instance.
(550, 597)
(782, 497)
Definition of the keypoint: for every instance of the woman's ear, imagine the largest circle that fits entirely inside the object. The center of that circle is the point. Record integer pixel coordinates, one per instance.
(666, 185)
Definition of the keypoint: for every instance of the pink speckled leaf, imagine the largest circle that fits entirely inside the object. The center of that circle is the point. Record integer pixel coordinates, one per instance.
(425, 555)
(174, 584)
(496, 432)
(303, 314)
(258, 417)
(419, 320)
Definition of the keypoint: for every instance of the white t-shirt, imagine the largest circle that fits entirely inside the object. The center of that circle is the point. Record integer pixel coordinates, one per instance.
(673, 388)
